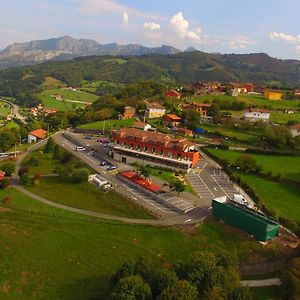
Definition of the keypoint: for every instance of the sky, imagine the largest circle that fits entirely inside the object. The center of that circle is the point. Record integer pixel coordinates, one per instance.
(225, 26)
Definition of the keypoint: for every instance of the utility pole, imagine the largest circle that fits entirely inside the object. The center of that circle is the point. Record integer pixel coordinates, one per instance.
(15, 150)
(103, 126)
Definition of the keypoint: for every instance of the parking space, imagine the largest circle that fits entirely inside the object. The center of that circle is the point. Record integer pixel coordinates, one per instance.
(199, 185)
(225, 185)
(177, 203)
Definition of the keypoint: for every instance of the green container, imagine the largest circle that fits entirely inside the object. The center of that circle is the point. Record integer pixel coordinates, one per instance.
(259, 226)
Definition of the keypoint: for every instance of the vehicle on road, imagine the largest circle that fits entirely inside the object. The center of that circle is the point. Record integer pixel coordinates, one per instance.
(80, 149)
(88, 137)
(111, 168)
(104, 163)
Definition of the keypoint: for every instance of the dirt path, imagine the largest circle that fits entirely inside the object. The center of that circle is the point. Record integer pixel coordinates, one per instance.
(262, 282)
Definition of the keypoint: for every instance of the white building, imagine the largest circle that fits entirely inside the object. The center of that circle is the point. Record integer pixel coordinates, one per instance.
(255, 114)
(155, 110)
(141, 126)
(295, 130)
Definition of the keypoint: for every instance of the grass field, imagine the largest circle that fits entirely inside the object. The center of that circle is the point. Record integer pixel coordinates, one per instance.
(282, 199)
(109, 124)
(259, 101)
(98, 85)
(5, 109)
(47, 253)
(81, 96)
(88, 197)
(9, 125)
(283, 118)
(287, 166)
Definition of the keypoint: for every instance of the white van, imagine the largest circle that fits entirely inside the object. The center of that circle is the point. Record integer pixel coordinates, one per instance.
(80, 149)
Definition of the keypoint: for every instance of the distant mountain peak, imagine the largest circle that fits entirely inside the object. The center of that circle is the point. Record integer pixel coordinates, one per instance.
(66, 47)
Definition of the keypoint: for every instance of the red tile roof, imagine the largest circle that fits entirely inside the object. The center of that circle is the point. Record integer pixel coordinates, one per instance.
(173, 117)
(296, 126)
(155, 105)
(39, 133)
(139, 124)
(258, 110)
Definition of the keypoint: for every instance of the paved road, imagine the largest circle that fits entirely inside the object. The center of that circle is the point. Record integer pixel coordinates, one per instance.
(15, 110)
(262, 282)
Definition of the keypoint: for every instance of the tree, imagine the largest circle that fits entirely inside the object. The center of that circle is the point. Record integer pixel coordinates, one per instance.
(182, 290)
(144, 171)
(25, 179)
(9, 168)
(80, 175)
(292, 280)
(64, 171)
(57, 153)
(160, 279)
(4, 183)
(246, 163)
(177, 186)
(131, 287)
(127, 269)
(49, 147)
(240, 293)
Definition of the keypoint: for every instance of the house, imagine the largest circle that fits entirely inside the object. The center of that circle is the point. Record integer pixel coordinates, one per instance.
(241, 88)
(173, 94)
(141, 126)
(255, 114)
(273, 94)
(155, 110)
(171, 120)
(201, 108)
(131, 145)
(49, 111)
(35, 135)
(185, 131)
(297, 93)
(129, 112)
(295, 130)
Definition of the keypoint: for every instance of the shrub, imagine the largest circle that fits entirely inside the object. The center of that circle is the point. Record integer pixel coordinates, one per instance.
(25, 179)
(49, 147)
(80, 175)
(57, 153)
(9, 168)
(33, 161)
(37, 176)
(5, 183)
(22, 171)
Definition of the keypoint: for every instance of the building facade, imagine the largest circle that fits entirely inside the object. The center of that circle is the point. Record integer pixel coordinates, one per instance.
(201, 108)
(154, 148)
(155, 110)
(129, 112)
(254, 114)
(171, 120)
(272, 94)
(295, 130)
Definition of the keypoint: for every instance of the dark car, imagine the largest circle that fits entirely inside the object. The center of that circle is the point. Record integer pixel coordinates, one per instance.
(112, 168)
(104, 163)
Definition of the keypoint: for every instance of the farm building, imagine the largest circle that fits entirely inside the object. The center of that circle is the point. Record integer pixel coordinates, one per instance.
(155, 110)
(173, 94)
(35, 135)
(245, 219)
(255, 114)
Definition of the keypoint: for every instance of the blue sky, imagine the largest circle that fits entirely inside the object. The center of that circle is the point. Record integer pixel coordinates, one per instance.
(226, 26)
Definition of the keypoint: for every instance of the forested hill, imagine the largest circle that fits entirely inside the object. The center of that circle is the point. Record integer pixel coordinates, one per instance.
(183, 67)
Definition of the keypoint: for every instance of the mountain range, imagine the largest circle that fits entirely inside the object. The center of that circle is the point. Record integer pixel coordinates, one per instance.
(66, 48)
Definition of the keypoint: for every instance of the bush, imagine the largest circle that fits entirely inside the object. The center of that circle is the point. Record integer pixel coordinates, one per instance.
(25, 179)
(9, 168)
(49, 148)
(80, 175)
(22, 171)
(5, 183)
(57, 153)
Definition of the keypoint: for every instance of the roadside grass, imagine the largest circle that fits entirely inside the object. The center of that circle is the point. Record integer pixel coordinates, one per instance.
(109, 124)
(48, 253)
(287, 166)
(88, 197)
(267, 293)
(282, 199)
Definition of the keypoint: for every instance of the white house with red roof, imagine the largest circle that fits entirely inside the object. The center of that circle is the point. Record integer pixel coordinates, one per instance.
(256, 114)
(35, 135)
(295, 130)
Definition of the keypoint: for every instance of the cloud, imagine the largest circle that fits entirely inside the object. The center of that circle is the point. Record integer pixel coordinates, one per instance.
(239, 42)
(279, 36)
(181, 26)
(125, 19)
(151, 26)
(297, 49)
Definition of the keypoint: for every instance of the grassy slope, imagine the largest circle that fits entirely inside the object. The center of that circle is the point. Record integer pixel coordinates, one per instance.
(48, 253)
(109, 124)
(287, 166)
(283, 199)
(267, 293)
(88, 197)
(4, 109)
(48, 101)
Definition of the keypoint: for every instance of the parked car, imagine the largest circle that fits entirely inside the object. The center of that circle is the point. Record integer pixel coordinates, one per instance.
(104, 163)
(111, 168)
(88, 137)
(80, 149)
